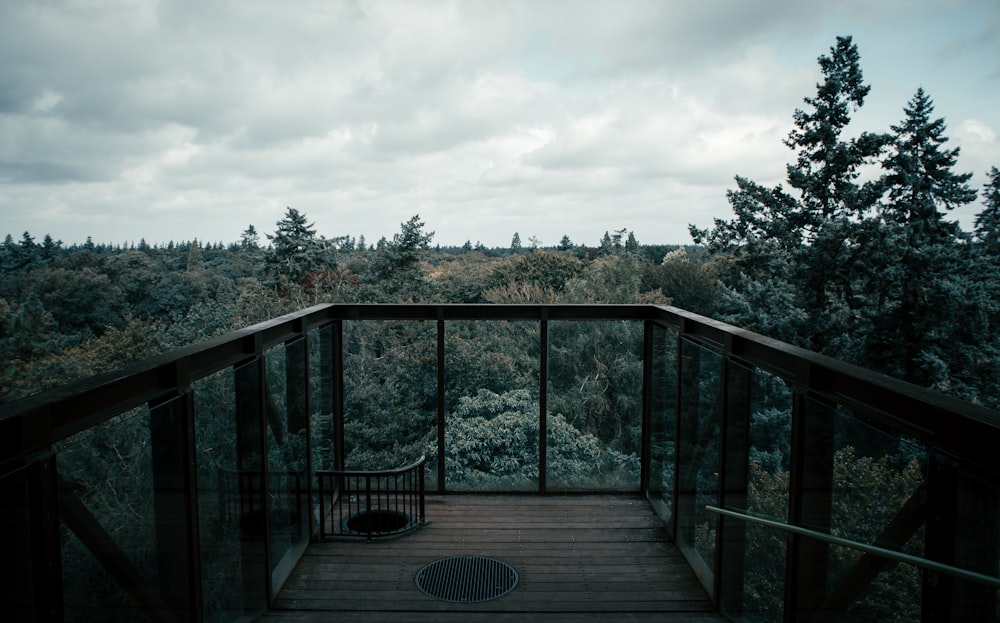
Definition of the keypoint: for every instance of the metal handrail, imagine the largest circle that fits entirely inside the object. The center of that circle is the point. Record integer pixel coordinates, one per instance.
(930, 565)
(349, 501)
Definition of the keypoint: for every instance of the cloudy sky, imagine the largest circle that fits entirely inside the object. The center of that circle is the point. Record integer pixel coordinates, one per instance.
(173, 120)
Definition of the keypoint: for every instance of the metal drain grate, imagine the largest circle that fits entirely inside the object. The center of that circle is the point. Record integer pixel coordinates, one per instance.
(466, 579)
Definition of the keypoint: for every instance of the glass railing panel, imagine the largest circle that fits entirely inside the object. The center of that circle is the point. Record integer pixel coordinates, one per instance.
(866, 485)
(390, 394)
(663, 421)
(887, 591)
(286, 418)
(491, 406)
(594, 419)
(768, 455)
(16, 522)
(108, 522)
(700, 394)
(321, 397)
(875, 474)
(966, 507)
(230, 519)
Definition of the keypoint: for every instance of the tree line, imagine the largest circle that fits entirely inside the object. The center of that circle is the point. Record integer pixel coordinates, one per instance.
(68, 312)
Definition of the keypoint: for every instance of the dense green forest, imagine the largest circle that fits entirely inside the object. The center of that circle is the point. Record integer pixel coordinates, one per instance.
(68, 312)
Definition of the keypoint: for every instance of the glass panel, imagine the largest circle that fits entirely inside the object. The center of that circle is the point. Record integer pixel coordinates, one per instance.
(229, 495)
(767, 496)
(594, 405)
(874, 591)
(492, 412)
(321, 388)
(286, 399)
(863, 484)
(972, 502)
(108, 520)
(698, 449)
(663, 421)
(390, 394)
(16, 522)
(770, 446)
(875, 473)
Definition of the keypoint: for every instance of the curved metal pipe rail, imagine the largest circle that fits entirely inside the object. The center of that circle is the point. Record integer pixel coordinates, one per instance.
(369, 504)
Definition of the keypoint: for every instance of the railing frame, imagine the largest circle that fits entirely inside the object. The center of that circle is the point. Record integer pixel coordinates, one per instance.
(338, 485)
(959, 435)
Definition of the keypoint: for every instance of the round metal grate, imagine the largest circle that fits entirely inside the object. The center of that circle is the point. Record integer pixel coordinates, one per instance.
(466, 579)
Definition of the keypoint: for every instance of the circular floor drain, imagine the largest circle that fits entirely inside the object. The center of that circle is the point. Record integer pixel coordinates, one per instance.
(466, 579)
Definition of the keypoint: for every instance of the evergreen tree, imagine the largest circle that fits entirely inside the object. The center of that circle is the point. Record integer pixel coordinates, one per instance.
(295, 247)
(927, 303)
(809, 241)
(921, 180)
(607, 246)
(50, 248)
(826, 167)
(988, 221)
(250, 239)
(565, 244)
(632, 245)
(515, 243)
(397, 267)
(195, 259)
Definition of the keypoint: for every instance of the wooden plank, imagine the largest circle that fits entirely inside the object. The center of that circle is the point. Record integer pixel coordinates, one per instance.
(605, 557)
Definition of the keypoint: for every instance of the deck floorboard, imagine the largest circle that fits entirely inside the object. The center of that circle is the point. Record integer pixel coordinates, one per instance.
(599, 557)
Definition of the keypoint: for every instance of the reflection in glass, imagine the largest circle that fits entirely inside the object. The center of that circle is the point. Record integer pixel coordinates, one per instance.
(663, 421)
(698, 451)
(286, 417)
(229, 495)
(106, 495)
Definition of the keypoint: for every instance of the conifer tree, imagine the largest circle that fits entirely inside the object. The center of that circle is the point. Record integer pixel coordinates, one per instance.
(988, 221)
(802, 249)
(250, 239)
(926, 301)
(921, 182)
(295, 247)
(515, 243)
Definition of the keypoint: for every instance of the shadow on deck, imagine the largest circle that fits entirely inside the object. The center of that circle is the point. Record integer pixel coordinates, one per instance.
(599, 557)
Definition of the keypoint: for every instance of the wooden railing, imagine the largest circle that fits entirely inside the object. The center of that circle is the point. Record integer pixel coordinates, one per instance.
(269, 400)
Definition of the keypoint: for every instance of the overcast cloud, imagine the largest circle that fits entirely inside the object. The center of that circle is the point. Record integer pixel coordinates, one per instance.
(174, 120)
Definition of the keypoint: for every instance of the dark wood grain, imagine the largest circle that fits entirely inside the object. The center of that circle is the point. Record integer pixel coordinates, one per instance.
(593, 557)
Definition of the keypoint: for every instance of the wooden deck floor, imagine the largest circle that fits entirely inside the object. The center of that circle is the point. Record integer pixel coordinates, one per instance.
(598, 558)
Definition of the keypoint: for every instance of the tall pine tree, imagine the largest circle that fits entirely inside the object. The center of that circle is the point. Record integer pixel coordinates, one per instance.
(295, 247)
(791, 258)
(929, 309)
(988, 221)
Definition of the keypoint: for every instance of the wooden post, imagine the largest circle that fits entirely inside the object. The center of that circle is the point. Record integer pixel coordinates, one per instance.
(734, 458)
(175, 505)
(810, 500)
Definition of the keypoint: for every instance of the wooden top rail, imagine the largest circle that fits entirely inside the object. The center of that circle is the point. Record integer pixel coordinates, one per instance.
(377, 473)
(968, 432)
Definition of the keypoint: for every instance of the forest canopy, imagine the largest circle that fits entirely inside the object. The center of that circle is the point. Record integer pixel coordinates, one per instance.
(853, 257)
